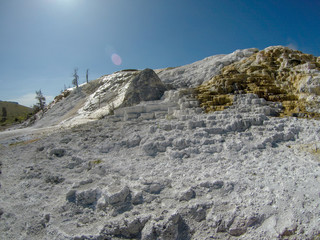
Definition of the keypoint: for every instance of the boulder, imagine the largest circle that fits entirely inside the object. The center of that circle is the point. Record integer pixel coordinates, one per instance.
(146, 86)
(87, 198)
(58, 152)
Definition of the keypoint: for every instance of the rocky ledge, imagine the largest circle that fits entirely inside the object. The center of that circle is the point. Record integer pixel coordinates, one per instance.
(277, 74)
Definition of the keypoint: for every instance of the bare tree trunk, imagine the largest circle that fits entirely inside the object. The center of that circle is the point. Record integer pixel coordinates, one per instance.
(4, 114)
(87, 75)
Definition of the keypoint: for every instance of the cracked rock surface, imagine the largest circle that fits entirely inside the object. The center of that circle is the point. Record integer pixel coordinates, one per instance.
(161, 168)
(239, 173)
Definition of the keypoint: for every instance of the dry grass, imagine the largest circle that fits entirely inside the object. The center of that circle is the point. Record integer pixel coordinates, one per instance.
(24, 142)
(313, 148)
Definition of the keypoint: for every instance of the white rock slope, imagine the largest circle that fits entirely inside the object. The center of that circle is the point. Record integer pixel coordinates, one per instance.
(112, 92)
(237, 173)
(196, 73)
(161, 169)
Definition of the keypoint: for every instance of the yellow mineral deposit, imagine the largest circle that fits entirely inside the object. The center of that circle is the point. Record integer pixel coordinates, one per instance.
(277, 74)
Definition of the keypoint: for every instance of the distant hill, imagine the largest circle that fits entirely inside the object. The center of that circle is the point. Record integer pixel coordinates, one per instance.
(15, 112)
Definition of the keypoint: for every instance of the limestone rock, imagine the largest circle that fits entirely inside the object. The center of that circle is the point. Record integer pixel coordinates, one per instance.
(154, 188)
(174, 227)
(194, 74)
(178, 174)
(276, 74)
(128, 229)
(137, 198)
(149, 148)
(238, 227)
(187, 195)
(119, 197)
(87, 198)
(58, 152)
(146, 86)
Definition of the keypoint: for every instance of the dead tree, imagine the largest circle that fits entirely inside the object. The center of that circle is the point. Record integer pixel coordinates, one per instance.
(87, 75)
(75, 78)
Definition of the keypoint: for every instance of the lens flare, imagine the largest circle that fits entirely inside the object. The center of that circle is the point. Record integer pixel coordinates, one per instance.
(116, 59)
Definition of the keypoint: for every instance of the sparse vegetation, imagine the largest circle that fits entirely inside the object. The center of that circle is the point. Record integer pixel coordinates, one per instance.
(98, 161)
(4, 114)
(317, 237)
(92, 86)
(93, 163)
(13, 113)
(87, 75)
(313, 149)
(23, 142)
(75, 78)
(64, 94)
(41, 100)
(129, 70)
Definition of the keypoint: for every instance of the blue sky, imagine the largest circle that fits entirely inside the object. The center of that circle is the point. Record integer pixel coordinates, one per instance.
(42, 41)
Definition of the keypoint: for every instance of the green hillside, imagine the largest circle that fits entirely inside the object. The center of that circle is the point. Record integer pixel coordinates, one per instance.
(15, 113)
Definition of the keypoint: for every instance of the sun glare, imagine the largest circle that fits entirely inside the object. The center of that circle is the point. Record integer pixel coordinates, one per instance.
(64, 3)
(116, 59)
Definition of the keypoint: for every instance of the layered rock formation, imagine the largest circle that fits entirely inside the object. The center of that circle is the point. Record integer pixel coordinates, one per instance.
(160, 168)
(238, 173)
(103, 96)
(194, 74)
(277, 74)
(122, 89)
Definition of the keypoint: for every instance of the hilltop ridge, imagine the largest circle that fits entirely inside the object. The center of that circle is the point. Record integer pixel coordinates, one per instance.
(108, 92)
(277, 74)
(16, 113)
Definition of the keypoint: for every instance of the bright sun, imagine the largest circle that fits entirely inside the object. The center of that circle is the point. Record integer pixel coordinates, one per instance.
(64, 3)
